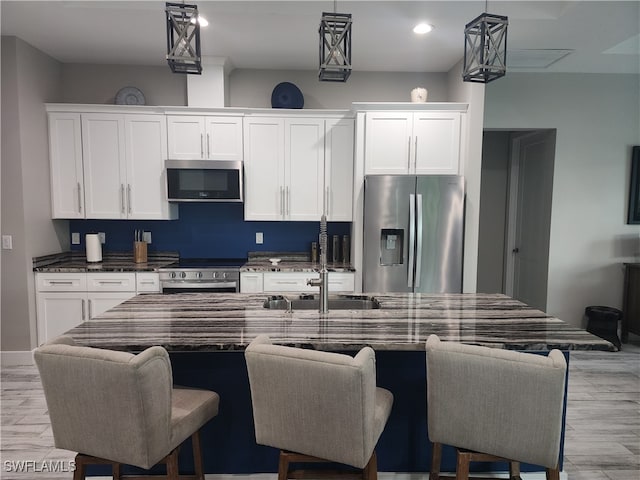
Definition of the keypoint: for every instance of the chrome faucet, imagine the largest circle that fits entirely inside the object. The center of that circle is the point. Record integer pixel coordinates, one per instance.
(323, 280)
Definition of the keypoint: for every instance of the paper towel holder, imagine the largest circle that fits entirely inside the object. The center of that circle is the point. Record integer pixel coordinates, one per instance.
(93, 247)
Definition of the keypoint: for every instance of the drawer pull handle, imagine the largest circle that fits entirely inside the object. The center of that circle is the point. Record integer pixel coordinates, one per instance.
(110, 282)
(61, 282)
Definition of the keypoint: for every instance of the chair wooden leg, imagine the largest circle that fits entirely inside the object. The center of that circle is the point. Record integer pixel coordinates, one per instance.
(553, 473)
(462, 468)
(80, 472)
(370, 470)
(117, 475)
(172, 465)
(283, 466)
(436, 459)
(197, 456)
(514, 471)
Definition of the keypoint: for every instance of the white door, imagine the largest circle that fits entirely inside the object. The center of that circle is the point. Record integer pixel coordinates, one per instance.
(388, 137)
(339, 170)
(304, 169)
(185, 137)
(224, 138)
(436, 143)
(146, 152)
(65, 157)
(530, 218)
(103, 150)
(59, 312)
(264, 168)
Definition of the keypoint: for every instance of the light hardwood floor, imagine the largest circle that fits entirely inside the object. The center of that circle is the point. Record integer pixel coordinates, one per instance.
(602, 438)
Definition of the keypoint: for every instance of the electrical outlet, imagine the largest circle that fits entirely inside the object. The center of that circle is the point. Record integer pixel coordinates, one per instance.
(103, 237)
(259, 238)
(75, 238)
(7, 242)
(146, 237)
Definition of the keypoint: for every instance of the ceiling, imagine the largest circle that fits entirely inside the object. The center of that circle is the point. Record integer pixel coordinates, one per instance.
(599, 36)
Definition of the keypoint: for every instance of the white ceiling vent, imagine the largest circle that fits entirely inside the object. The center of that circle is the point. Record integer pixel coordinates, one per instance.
(535, 58)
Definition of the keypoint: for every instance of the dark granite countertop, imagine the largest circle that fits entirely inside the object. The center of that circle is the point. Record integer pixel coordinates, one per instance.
(227, 321)
(74, 262)
(289, 262)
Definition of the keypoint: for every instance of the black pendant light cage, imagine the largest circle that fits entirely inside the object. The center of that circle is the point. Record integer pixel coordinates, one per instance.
(183, 38)
(335, 47)
(485, 48)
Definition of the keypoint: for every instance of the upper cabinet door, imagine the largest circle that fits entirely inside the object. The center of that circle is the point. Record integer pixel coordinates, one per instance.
(186, 137)
(436, 143)
(388, 138)
(264, 168)
(339, 170)
(304, 169)
(223, 138)
(65, 157)
(146, 152)
(103, 149)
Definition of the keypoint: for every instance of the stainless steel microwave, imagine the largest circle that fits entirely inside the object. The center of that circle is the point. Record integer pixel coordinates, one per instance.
(204, 181)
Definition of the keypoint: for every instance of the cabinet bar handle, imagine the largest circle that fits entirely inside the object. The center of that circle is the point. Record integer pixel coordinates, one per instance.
(110, 282)
(288, 201)
(90, 314)
(208, 147)
(284, 282)
(409, 155)
(84, 316)
(282, 201)
(201, 146)
(79, 199)
(415, 156)
(60, 282)
(122, 198)
(129, 197)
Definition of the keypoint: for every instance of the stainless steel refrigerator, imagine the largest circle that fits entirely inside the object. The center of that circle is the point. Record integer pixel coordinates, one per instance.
(413, 233)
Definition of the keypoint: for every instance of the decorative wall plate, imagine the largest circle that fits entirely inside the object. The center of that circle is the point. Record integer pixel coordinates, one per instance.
(286, 95)
(129, 96)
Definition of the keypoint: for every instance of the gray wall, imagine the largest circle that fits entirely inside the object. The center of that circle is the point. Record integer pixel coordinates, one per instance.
(89, 83)
(29, 79)
(597, 121)
(493, 211)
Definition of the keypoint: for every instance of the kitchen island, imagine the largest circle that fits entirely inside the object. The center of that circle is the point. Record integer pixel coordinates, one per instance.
(206, 334)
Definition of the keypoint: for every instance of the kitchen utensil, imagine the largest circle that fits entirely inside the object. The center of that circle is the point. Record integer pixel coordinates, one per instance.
(335, 249)
(346, 245)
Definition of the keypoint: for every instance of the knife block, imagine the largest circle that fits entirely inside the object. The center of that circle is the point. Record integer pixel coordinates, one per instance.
(140, 252)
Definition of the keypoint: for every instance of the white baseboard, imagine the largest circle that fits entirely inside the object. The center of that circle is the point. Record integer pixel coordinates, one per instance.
(14, 358)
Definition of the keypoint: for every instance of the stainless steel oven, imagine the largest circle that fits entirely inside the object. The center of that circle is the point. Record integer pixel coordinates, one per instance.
(201, 275)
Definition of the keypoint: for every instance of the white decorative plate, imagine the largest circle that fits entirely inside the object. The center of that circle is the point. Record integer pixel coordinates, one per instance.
(129, 96)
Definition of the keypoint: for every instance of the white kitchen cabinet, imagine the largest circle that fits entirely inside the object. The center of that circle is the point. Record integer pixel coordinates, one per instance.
(398, 142)
(65, 156)
(338, 170)
(147, 282)
(124, 172)
(284, 282)
(65, 300)
(192, 137)
(251, 282)
(297, 167)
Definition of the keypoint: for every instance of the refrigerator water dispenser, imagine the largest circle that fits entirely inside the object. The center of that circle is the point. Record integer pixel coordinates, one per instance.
(391, 242)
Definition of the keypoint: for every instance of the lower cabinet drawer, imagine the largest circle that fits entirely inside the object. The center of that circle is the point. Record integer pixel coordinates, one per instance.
(276, 282)
(147, 282)
(111, 282)
(61, 282)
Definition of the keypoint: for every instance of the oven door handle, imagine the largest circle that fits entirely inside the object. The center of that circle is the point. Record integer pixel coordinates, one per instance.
(194, 285)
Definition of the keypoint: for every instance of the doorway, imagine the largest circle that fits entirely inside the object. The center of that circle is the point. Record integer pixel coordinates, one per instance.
(515, 213)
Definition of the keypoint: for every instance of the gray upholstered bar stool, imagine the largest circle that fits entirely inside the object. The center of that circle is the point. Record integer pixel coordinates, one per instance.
(119, 408)
(494, 405)
(317, 406)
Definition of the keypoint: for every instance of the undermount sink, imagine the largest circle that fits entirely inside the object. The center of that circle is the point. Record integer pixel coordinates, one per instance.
(312, 302)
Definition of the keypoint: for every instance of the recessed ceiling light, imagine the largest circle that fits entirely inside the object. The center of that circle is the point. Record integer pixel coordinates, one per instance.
(422, 28)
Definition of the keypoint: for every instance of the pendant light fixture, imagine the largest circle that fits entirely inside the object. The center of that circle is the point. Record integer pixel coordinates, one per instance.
(183, 38)
(485, 48)
(335, 46)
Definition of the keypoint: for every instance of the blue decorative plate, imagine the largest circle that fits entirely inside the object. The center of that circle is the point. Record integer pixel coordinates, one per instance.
(129, 96)
(286, 95)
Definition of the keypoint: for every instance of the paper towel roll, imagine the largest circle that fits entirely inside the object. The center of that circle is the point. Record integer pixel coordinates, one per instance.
(94, 247)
